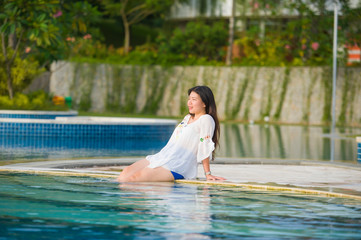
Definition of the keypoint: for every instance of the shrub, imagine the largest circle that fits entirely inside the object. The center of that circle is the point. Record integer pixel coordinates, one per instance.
(266, 52)
(23, 72)
(38, 100)
(198, 40)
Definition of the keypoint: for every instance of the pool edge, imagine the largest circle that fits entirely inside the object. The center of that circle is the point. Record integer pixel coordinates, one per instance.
(61, 172)
(273, 188)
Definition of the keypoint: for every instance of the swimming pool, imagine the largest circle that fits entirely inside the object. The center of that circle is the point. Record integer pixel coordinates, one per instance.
(59, 135)
(47, 206)
(76, 137)
(281, 142)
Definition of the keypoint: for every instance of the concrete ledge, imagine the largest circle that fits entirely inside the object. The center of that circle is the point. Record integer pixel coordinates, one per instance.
(61, 172)
(274, 188)
(73, 164)
(104, 162)
(255, 187)
(324, 180)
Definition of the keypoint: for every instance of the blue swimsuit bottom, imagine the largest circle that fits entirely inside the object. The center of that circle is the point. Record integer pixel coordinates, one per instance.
(177, 175)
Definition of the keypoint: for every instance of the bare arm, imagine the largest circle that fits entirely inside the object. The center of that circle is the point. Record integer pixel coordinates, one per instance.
(207, 170)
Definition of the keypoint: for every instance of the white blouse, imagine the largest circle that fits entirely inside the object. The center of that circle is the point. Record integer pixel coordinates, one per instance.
(189, 144)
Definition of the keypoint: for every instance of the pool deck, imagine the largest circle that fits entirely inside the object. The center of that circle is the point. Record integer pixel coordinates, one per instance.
(300, 176)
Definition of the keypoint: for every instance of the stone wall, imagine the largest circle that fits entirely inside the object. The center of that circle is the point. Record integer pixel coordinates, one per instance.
(288, 95)
(39, 83)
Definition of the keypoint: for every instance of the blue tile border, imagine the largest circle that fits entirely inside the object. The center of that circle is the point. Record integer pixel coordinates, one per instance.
(83, 130)
(97, 128)
(83, 136)
(63, 146)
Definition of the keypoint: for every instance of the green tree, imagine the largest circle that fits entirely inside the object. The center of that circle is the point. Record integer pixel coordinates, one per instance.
(75, 21)
(199, 40)
(305, 38)
(24, 20)
(39, 28)
(312, 31)
(134, 11)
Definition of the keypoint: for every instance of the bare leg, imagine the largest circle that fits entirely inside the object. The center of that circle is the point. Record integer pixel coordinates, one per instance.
(147, 174)
(139, 172)
(130, 170)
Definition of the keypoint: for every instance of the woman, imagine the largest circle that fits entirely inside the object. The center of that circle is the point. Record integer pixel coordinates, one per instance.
(193, 141)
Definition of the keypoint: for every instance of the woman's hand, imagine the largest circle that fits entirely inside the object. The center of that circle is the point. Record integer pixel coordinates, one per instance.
(214, 178)
(207, 172)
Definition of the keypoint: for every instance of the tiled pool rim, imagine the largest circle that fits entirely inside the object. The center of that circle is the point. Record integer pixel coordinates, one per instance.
(358, 140)
(99, 127)
(112, 175)
(20, 114)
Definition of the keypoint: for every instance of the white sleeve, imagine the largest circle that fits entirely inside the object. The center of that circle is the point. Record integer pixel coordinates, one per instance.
(206, 145)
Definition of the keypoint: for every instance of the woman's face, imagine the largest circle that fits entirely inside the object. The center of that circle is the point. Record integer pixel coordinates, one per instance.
(195, 104)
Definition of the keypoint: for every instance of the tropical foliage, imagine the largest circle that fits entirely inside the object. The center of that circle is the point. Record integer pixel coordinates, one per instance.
(134, 11)
(304, 39)
(38, 100)
(35, 33)
(36, 30)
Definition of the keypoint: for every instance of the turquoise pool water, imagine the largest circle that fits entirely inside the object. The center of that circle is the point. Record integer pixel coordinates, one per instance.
(53, 207)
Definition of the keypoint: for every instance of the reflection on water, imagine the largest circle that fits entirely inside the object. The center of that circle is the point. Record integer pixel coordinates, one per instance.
(288, 142)
(237, 141)
(176, 207)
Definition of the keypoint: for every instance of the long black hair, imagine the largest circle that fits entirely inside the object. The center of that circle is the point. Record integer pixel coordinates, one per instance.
(207, 97)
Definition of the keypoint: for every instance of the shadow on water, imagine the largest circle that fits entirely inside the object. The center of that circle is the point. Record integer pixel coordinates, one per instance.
(287, 142)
